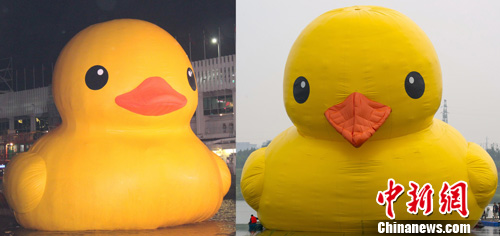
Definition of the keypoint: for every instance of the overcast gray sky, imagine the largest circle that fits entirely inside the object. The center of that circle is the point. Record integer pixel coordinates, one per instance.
(465, 34)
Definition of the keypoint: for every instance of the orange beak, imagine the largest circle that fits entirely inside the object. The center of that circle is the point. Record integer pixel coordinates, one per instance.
(153, 97)
(357, 118)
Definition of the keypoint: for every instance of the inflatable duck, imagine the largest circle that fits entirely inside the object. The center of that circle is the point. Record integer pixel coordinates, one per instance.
(124, 156)
(361, 86)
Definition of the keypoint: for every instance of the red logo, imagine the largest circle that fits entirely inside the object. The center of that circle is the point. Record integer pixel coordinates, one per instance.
(451, 198)
(420, 198)
(454, 198)
(390, 196)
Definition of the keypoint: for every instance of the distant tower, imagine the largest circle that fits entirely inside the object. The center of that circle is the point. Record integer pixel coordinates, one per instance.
(445, 112)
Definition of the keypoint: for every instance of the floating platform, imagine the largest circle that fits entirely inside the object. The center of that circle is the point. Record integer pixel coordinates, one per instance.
(490, 223)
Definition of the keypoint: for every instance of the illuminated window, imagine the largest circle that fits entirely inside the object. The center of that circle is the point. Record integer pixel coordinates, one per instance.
(216, 105)
(42, 123)
(22, 124)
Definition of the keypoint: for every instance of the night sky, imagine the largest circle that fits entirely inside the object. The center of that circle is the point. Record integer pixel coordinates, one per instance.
(34, 32)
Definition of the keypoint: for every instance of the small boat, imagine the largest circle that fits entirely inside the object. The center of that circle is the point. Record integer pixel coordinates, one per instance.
(255, 227)
(479, 225)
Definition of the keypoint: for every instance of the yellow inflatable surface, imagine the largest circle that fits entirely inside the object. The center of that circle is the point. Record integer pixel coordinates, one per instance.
(125, 156)
(361, 86)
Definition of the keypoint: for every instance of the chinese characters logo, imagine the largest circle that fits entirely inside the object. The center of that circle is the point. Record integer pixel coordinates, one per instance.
(451, 198)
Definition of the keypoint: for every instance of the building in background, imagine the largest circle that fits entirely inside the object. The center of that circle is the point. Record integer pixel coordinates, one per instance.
(214, 120)
(27, 115)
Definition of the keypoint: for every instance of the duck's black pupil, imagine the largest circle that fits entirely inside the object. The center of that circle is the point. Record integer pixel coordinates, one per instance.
(191, 79)
(301, 90)
(414, 85)
(96, 77)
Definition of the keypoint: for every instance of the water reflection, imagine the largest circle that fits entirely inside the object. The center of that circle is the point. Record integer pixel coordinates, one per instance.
(242, 230)
(202, 228)
(487, 230)
(243, 212)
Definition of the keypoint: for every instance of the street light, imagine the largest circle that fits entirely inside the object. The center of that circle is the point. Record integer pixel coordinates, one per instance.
(215, 41)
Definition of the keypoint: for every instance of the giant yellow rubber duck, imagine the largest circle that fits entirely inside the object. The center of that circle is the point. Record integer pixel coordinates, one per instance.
(361, 86)
(124, 156)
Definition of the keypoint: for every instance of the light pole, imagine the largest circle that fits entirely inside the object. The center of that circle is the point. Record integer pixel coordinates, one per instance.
(215, 41)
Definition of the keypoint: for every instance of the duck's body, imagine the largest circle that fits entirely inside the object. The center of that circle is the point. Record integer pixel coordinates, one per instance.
(125, 156)
(332, 186)
(123, 181)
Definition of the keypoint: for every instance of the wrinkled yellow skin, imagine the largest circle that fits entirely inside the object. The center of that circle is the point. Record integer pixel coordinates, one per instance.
(105, 167)
(311, 179)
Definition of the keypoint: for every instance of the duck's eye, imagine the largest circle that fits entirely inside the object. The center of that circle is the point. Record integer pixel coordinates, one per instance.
(96, 77)
(191, 79)
(414, 85)
(301, 89)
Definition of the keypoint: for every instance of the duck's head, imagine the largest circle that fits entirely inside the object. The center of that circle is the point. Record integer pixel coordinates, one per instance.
(124, 74)
(360, 73)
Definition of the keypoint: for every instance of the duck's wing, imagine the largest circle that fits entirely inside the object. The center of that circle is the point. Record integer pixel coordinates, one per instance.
(482, 174)
(24, 182)
(224, 173)
(252, 178)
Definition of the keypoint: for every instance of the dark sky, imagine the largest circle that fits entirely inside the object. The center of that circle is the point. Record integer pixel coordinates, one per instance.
(33, 33)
